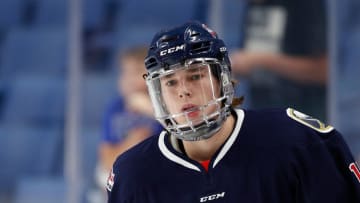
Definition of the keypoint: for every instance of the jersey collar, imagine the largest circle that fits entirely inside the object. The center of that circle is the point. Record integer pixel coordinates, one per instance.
(173, 156)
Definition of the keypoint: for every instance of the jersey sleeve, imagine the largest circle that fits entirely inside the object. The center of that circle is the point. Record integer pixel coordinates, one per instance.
(324, 165)
(327, 171)
(115, 187)
(125, 182)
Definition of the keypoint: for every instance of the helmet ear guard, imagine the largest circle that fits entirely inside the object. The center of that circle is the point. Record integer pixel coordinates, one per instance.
(176, 51)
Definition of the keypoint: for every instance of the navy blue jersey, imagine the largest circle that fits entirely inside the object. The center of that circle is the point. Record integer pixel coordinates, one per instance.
(273, 156)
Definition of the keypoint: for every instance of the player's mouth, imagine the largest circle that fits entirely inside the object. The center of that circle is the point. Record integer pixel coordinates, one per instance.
(191, 110)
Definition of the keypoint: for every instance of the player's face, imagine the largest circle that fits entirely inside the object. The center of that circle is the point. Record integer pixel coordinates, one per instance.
(188, 91)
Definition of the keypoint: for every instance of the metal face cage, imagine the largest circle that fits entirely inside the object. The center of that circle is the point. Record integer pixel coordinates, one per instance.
(191, 100)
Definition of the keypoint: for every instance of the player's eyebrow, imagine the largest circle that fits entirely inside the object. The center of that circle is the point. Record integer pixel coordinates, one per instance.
(198, 69)
(169, 75)
(191, 70)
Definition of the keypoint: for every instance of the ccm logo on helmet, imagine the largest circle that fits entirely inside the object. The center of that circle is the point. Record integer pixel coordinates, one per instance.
(172, 50)
(212, 197)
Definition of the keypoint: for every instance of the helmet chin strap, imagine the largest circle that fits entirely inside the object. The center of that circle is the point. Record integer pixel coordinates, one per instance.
(181, 146)
(178, 144)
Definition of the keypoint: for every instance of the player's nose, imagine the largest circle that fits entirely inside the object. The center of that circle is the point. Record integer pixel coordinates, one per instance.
(184, 91)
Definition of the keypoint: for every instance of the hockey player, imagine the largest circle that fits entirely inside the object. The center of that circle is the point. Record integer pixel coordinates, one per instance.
(214, 152)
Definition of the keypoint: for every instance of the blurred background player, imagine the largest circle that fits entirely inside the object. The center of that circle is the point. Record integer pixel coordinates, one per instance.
(285, 55)
(129, 118)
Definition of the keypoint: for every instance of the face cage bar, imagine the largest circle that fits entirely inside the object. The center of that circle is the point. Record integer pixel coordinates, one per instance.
(189, 126)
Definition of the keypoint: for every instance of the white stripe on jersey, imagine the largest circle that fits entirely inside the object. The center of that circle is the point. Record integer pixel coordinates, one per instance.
(167, 153)
(231, 140)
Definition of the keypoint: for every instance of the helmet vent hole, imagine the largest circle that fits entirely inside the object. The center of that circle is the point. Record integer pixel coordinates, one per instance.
(200, 47)
(150, 62)
(169, 38)
(194, 34)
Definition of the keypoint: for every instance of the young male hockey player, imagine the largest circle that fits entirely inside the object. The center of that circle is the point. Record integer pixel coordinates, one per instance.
(212, 152)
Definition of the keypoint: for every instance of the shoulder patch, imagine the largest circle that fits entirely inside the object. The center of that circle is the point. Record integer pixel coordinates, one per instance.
(308, 121)
(355, 169)
(110, 181)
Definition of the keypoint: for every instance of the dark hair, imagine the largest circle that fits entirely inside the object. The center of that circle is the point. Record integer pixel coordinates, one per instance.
(236, 100)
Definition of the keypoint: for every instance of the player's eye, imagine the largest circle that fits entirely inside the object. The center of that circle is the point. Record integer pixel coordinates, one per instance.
(195, 77)
(171, 83)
